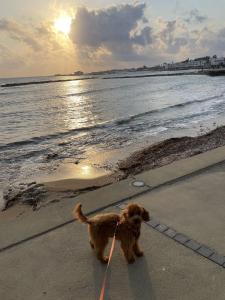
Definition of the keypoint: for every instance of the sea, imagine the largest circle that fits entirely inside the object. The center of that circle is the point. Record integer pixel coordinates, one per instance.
(44, 125)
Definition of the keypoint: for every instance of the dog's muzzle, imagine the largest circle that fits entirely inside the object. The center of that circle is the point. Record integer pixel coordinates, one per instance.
(137, 220)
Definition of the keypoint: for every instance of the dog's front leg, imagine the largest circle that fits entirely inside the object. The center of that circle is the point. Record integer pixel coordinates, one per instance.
(128, 251)
(137, 249)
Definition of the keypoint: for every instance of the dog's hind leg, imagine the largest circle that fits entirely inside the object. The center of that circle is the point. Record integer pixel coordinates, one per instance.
(91, 237)
(137, 249)
(92, 244)
(98, 243)
(100, 248)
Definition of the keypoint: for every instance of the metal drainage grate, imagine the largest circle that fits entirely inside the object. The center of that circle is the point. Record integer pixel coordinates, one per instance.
(138, 183)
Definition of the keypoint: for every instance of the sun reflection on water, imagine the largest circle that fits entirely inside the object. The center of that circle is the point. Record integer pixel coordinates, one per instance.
(79, 105)
(86, 170)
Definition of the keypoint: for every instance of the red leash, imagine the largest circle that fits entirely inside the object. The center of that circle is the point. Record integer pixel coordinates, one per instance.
(106, 271)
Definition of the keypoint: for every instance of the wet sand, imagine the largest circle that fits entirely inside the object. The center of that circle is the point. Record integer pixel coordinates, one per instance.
(70, 180)
(67, 181)
(69, 177)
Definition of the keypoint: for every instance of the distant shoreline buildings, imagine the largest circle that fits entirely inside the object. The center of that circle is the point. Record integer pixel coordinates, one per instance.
(202, 63)
(205, 62)
(76, 73)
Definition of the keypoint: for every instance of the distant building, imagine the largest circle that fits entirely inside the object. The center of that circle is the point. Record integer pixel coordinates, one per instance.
(143, 68)
(217, 62)
(205, 62)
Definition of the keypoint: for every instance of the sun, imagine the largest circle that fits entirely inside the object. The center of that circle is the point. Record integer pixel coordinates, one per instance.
(63, 24)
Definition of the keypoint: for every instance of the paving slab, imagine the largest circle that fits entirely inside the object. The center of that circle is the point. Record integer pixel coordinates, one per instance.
(219, 259)
(20, 225)
(61, 265)
(182, 167)
(194, 207)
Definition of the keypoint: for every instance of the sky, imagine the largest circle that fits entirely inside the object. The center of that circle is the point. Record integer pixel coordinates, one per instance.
(47, 36)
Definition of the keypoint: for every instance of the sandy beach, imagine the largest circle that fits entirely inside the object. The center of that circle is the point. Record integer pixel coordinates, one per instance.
(71, 180)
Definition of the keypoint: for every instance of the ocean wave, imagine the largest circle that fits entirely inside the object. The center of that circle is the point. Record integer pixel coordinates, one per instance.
(172, 122)
(3, 93)
(164, 109)
(98, 90)
(116, 123)
(39, 139)
(157, 90)
(25, 155)
(185, 119)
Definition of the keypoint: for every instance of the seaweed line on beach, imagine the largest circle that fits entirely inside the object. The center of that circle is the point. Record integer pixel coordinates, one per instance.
(171, 150)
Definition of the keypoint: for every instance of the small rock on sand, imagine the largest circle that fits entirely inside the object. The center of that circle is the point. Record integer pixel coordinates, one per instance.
(51, 155)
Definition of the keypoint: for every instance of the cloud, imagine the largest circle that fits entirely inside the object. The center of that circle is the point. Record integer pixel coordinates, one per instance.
(18, 32)
(144, 38)
(195, 16)
(171, 36)
(10, 62)
(116, 29)
(116, 37)
(177, 40)
(38, 38)
(213, 41)
(33, 48)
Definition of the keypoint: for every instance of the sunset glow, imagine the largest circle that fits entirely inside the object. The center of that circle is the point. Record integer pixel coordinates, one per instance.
(61, 37)
(63, 24)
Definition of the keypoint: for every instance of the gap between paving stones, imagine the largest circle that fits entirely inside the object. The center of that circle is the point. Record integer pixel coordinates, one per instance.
(59, 226)
(182, 239)
(150, 188)
(193, 245)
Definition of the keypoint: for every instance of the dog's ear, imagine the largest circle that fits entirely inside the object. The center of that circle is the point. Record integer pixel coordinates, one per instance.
(145, 215)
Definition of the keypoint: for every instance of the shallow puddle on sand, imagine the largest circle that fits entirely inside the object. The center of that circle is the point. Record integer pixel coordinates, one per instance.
(72, 171)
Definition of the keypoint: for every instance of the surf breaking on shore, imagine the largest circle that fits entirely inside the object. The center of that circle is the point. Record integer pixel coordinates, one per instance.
(157, 155)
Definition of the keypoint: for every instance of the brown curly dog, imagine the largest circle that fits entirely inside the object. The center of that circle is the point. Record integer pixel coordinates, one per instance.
(102, 227)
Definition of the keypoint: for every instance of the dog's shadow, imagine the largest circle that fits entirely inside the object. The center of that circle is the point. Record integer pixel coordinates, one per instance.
(140, 280)
(140, 284)
(98, 275)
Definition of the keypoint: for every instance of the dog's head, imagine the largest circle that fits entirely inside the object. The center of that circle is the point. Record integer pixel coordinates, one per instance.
(135, 214)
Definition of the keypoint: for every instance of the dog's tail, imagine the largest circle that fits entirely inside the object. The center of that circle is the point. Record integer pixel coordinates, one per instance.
(77, 213)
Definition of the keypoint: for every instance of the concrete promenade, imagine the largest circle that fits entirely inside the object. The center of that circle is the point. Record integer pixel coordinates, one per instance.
(46, 255)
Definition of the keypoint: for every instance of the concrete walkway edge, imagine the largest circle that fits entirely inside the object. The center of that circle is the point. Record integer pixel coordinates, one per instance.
(111, 195)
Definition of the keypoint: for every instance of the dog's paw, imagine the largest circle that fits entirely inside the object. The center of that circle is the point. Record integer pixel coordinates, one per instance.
(131, 260)
(105, 260)
(139, 254)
